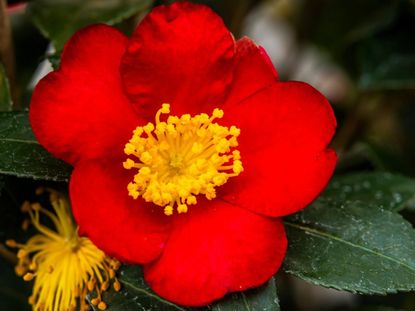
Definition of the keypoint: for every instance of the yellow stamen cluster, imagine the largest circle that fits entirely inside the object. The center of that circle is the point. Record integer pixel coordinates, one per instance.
(64, 266)
(180, 158)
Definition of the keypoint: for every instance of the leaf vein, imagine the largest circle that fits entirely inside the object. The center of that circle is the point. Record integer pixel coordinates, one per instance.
(326, 235)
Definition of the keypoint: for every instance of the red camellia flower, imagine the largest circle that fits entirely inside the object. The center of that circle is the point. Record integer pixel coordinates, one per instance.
(186, 149)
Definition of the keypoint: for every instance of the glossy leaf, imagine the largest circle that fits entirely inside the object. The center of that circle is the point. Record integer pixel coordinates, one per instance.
(5, 98)
(59, 19)
(389, 191)
(263, 298)
(22, 156)
(355, 247)
(135, 295)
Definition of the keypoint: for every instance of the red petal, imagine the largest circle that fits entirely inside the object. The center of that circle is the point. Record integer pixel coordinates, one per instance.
(181, 54)
(127, 229)
(80, 109)
(253, 71)
(214, 249)
(284, 133)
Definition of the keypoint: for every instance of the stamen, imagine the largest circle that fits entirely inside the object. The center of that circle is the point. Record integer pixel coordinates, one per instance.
(180, 158)
(63, 266)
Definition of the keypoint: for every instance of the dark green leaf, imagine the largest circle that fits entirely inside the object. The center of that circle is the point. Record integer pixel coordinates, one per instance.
(59, 19)
(263, 298)
(389, 191)
(5, 98)
(22, 156)
(135, 295)
(355, 247)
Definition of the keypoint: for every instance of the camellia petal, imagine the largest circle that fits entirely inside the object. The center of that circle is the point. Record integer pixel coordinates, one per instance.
(80, 109)
(250, 61)
(120, 226)
(284, 133)
(215, 249)
(180, 54)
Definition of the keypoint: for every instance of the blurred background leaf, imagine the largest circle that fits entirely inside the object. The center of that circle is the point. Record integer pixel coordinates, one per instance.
(59, 19)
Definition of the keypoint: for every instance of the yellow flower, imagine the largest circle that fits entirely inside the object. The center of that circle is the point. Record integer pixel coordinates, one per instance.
(64, 266)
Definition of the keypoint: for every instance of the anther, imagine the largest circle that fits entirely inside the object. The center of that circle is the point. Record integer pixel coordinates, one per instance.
(25, 224)
(33, 266)
(25, 207)
(182, 208)
(28, 276)
(102, 305)
(128, 164)
(168, 210)
(20, 270)
(117, 286)
(35, 206)
(11, 243)
(95, 301)
(31, 300)
(40, 190)
(104, 286)
(22, 254)
(111, 273)
(165, 108)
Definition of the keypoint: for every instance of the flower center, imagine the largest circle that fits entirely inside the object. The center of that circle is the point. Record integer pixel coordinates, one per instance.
(180, 158)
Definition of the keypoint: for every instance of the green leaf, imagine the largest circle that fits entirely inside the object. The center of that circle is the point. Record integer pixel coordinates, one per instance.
(21, 155)
(135, 294)
(5, 98)
(59, 19)
(262, 298)
(354, 247)
(389, 191)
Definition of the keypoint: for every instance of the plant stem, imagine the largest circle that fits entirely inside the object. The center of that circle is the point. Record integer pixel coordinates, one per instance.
(6, 49)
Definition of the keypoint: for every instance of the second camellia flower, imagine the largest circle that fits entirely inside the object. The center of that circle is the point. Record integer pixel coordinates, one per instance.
(186, 149)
